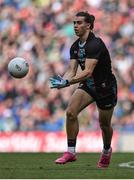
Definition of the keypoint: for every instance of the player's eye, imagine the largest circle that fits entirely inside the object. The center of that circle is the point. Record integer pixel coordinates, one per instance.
(77, 22)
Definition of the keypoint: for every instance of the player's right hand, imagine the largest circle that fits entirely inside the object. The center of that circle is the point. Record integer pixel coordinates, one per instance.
(58, 82)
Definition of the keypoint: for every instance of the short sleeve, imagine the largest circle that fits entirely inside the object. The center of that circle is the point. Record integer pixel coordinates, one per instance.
(94, 49)
(73, 52)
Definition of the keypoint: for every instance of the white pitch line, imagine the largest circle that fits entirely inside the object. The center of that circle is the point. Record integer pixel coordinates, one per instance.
(127, 164)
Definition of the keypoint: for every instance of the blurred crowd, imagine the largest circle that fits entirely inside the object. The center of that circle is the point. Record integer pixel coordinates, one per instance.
(42, 32)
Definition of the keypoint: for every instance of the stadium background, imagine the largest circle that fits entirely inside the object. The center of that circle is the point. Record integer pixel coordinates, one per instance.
(31, 115)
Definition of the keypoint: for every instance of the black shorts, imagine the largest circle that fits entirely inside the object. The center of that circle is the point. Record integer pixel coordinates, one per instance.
(104, 96)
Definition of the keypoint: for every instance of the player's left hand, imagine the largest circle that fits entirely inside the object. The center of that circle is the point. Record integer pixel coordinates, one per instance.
(58, 82)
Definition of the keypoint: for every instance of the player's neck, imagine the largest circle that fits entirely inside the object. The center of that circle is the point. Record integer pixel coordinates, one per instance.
(84, 37)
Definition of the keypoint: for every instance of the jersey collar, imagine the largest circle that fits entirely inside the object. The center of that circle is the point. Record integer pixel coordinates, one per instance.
(81, 45)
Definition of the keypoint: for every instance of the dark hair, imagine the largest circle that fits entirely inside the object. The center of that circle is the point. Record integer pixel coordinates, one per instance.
(89, 18)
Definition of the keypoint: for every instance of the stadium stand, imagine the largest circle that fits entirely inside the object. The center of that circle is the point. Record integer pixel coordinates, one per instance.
(41, 31)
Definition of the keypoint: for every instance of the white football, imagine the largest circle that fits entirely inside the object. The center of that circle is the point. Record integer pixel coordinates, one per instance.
(18, 67)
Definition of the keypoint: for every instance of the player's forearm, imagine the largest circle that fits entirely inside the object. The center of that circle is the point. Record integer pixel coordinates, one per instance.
(69, 75)
(83, 75)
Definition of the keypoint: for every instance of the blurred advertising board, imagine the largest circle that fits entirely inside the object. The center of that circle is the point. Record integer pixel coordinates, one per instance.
(51, 141)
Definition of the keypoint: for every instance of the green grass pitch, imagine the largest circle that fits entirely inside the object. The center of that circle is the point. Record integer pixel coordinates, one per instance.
(42, 166)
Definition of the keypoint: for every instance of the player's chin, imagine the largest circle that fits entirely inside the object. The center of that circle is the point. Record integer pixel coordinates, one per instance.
(77, 33)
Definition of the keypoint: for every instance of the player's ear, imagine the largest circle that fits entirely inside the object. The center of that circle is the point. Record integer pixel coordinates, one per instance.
(88, 25)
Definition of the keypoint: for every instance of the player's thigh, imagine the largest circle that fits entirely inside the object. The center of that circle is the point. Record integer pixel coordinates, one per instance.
(79, 100)
(105, 116)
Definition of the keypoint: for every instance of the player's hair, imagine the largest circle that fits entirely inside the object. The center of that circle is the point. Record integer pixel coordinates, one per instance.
(89, 18)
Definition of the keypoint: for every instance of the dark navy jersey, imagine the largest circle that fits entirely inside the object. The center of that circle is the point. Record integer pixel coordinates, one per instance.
(93, 48)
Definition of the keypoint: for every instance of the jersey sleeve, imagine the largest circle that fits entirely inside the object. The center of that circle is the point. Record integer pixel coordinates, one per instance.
(93, 50)
(73, 52)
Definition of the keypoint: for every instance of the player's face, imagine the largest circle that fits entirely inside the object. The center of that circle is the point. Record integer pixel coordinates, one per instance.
(80, 26)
